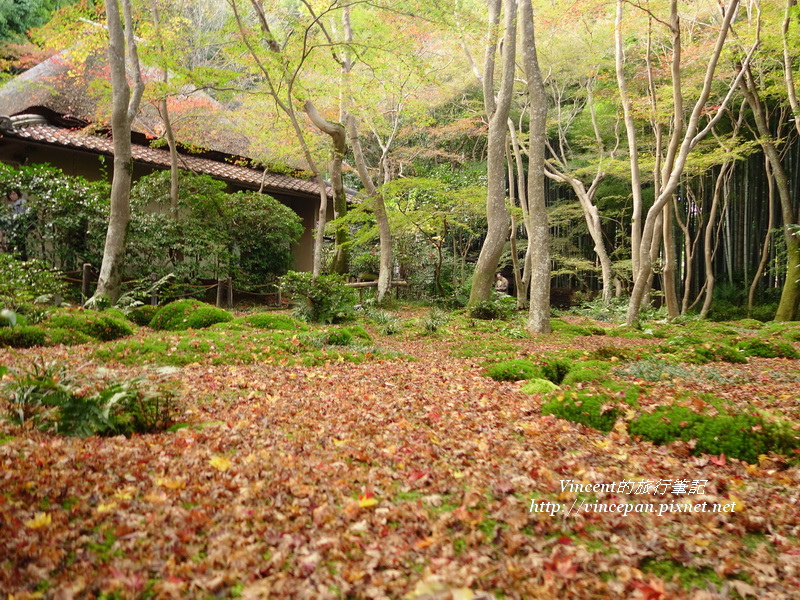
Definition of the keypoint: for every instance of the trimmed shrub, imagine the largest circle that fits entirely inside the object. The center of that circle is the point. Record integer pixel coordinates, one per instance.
(188, 314)
(513, 370)
(23, 336)
(97, 325)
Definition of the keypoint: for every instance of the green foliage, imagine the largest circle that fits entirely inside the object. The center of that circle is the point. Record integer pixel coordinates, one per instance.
(767, 348)
(326, 298)
(22, 282)
(34, 394)
(513, 370)
(22, 336)
(211, 233)
(188, 314)
(594, 408)
(742, 436)
(539, 386)
(17, 17)
(61, 220)
(435, 320)
(50, 397)
(99, 326)
(8, 318)
(498, 306)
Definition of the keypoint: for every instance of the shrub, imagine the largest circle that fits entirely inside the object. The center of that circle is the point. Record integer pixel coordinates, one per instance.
(22, 336)
(592, 408)
(23, 282)
(272, 321)
(100, 326)
(767, 349)
(513, 370)
(435, 320)
(188, 314)
(498, 306)
(539, 386)
(142, 315)
(326, 298)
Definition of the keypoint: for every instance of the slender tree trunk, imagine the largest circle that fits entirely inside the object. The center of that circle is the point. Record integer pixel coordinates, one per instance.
(684, 139)
(539, 311)
(633, 149)
(668, 273)
(125, 103)
(378, 209)
(765, 248)
(790, 295)
(497, 112)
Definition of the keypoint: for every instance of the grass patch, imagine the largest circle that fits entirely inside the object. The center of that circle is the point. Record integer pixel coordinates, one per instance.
(513, 370)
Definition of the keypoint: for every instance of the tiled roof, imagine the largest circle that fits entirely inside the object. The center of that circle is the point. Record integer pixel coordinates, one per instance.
(71, 138)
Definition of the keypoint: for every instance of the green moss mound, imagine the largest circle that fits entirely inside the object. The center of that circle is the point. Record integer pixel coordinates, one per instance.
(712, 352)
(68, 337)
(188, 314)
(742, 436)
(22, 336)
(539, 386)
(97, 325)
(142, 315)
(513, 370)
(587, 371)
(592, 408)
(273, 321)
(767, 348)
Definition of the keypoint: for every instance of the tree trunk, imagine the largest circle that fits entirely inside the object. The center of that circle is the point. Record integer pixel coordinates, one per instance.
(790, 295)
(539, 312)
(683, 140)
(378, 209)
(125, 103)
(497, 112)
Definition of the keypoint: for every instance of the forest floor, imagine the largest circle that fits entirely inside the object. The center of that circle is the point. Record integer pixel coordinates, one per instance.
(397, 469)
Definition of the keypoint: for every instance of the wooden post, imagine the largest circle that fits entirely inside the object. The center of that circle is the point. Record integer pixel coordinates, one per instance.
(153, 292)
(220, 284)
(86, 283)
